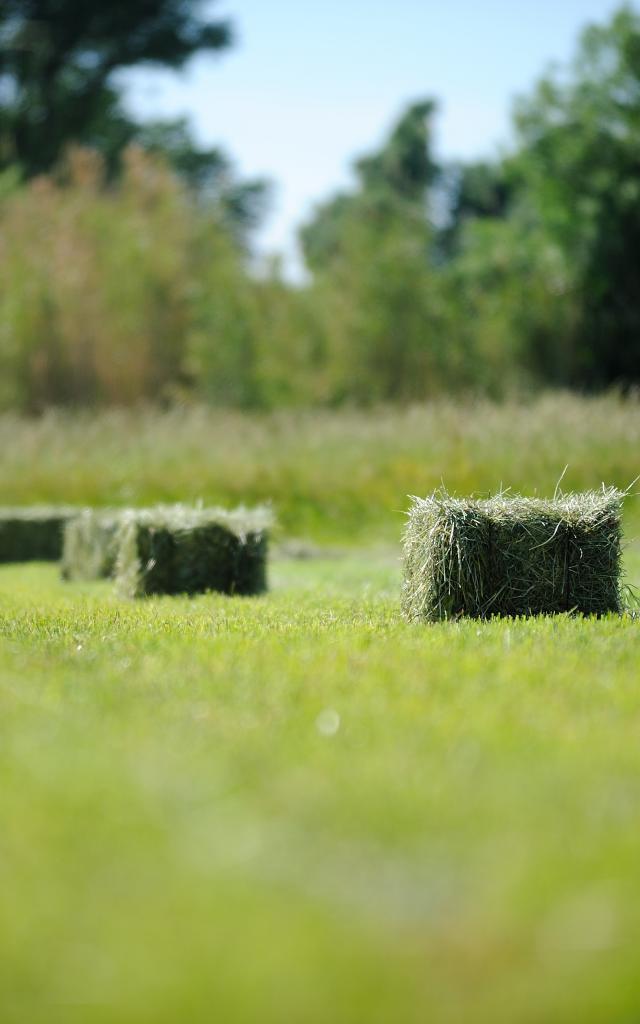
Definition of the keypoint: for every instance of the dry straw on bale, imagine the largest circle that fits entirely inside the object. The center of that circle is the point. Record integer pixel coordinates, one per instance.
(33, 532)
(183, 550)
(90, 544)
(510, 555)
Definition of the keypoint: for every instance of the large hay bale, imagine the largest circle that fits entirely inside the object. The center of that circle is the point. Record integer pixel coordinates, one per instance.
(181, 550)
(90, 544)
(512, 556)
(33, 532)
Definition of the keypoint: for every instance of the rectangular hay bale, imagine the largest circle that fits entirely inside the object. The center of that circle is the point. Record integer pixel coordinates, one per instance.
(90, 544)
(512, 556)
(181, 550)
(33, 533)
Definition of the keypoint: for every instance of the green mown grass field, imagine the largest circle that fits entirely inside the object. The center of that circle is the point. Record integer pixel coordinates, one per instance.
(297, 807)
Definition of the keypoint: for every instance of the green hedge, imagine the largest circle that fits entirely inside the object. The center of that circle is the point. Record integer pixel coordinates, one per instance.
(513, 556)
(181, 550)
(33, 533)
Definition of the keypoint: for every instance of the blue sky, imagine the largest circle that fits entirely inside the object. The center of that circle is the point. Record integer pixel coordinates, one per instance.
(312, 83)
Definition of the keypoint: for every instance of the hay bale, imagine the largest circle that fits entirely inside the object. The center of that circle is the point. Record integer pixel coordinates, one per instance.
(181, 550)
(33, 532)
(90, 544)
(512, 556)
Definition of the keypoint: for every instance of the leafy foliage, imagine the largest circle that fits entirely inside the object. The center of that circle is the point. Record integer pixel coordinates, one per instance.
(497, 276)
(527, 270)
(59, 87)
(58, 62)
(391, 182)
(208, 172)
(579, 155)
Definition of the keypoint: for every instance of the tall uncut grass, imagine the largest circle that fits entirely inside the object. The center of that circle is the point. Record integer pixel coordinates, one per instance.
(333, 475)
(93, 299)
(117, 293)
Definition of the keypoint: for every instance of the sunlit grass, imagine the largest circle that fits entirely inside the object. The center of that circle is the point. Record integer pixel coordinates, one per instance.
(298, 807)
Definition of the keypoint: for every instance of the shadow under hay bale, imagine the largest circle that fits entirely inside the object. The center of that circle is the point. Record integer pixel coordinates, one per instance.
(90, 544)
(512, 556)
(33, 533)
(180, 550)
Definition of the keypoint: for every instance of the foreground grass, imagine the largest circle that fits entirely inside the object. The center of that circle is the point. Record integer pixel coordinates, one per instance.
(332, 476)
(298, 808)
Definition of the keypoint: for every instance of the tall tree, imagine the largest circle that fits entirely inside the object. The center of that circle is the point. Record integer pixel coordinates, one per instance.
(473, 191)
(404, 168)
(209, 173)
(392, 183)
(59, 59)
(370, 251)
(579, 156)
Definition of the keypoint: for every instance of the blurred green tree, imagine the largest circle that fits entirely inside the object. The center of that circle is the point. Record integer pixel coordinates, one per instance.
(376, 286)
(59, 61)
(209, 173)
(393, 182)
(478, 190)
(58, 66)
(579, 158)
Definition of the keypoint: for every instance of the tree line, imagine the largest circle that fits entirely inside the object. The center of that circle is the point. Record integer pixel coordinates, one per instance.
(126, 270)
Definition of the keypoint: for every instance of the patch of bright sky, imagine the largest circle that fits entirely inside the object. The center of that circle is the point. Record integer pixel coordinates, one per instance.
(310, 84)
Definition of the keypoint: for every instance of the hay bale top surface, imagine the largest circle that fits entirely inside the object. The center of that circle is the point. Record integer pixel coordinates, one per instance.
(32, 513)
(176, 518)
(566, 507)
(511, 555)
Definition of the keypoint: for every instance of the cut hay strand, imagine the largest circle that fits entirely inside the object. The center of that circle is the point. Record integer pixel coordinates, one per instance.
(33, 532)
(182, 550)
(509, 555)
(90, 544)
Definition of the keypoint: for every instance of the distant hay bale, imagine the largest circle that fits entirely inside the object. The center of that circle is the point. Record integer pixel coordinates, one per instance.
(512, 556)
(33, 532)
(182, 550)
(90, 544)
